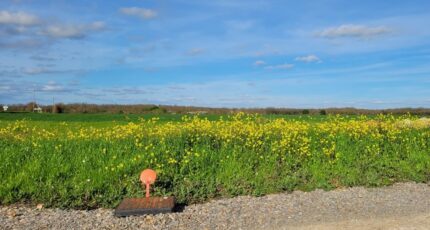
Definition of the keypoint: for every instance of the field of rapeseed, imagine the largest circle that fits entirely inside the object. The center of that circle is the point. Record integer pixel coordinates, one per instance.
(80, 165)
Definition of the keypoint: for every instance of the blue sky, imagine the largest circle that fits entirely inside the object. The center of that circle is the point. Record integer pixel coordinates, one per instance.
(326, 53)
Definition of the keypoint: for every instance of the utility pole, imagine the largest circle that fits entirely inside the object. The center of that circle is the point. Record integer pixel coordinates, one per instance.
(34, 98)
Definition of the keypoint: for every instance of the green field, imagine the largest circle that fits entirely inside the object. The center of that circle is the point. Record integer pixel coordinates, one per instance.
(93, 160)
(132, 117)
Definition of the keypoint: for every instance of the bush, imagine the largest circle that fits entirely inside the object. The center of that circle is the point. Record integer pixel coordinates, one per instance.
(59, 108)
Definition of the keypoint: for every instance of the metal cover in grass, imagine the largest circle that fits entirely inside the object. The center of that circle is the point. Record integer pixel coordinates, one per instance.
(144, 206)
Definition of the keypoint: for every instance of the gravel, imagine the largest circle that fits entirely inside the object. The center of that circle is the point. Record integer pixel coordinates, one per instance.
(401, 206)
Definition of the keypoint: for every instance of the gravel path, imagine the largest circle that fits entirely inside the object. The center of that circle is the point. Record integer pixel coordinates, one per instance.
(401, 206)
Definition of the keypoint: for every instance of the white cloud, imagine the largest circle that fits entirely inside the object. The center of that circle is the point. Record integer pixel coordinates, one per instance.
(259, 63)
(139, 12)
(52, 87)
(64, 32)
(377, 102)
(350, 30)
(308, 58)
(18, 18)
(44, 70)
(98, 25)
(72, 31)
(35, 70)
(4, 87)
(282, 66)
(195, 51)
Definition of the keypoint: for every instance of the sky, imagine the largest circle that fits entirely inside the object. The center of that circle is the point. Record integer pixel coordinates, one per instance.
(225, 53)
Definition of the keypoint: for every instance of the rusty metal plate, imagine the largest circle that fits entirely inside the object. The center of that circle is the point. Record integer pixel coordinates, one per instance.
(144, 206)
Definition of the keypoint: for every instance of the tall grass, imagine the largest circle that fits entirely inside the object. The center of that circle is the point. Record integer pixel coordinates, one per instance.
(74, 165)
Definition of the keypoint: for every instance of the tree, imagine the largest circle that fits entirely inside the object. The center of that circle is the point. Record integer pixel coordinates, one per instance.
(59, 108)
(30, 106)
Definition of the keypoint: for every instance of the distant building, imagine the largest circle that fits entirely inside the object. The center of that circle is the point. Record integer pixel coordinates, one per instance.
(5, 107)
(37, 110)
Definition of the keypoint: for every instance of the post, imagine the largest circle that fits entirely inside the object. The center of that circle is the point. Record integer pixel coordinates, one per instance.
(34, 98)
(147, 189)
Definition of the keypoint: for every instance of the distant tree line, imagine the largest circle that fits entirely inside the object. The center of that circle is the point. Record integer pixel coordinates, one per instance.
(173, 109)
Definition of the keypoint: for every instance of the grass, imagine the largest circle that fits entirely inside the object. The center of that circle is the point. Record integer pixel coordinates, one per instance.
(88, 161)
(124, 118)
(94, 118)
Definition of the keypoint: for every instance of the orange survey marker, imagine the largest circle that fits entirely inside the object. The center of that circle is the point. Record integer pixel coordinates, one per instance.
(147, 205)
(148, 177)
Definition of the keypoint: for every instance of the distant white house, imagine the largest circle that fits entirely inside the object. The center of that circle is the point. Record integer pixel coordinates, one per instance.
(5, 107)
(37, 109)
